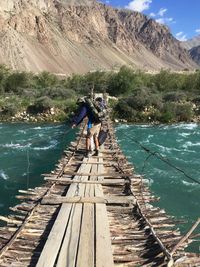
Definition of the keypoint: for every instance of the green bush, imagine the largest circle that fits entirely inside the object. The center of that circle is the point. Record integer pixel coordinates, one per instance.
(184, 111)
(142, 98)
(176, 96)
(168, 112)
(124, 111)
(9, 109)
(98, 80)
(140, 95)
(4, 72)
(58, 93)
(45, 80)
(121, 82)
(68, 106)
(41, 105)
(78, 84)
(15, 81)
(196, 99)
(166, 117)
(167, 81)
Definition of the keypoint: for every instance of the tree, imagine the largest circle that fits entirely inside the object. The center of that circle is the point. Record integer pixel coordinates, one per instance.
(15, 81)
(121, 82)
(45, 80)
(4, 72)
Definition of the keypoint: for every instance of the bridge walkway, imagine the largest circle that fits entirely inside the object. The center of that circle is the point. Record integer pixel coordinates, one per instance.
(92, 212)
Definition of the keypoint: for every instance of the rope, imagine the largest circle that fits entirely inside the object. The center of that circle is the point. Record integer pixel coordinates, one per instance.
(163, 159)
(28, 168)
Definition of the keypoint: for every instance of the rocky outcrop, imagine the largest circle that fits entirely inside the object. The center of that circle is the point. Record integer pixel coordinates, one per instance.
(195, 54)
(69, 36)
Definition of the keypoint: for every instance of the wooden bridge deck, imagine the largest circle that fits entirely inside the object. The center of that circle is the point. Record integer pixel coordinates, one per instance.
(92, 212)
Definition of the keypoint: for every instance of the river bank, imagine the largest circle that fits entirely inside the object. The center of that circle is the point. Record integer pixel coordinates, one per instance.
(53, 115)
(59, 116)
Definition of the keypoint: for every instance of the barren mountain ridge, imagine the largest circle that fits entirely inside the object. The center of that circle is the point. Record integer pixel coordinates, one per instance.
(74, 36)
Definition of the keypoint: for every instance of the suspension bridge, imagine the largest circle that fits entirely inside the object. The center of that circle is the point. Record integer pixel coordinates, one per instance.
(92, 212)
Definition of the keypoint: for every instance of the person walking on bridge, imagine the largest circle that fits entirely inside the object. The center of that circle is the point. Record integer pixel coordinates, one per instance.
(93, 111)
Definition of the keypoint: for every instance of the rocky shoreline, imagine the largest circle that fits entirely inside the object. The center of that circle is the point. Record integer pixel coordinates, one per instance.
(57, 116)
(53, 115)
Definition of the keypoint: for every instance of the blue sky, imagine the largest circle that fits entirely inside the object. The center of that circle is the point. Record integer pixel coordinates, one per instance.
(181, 16)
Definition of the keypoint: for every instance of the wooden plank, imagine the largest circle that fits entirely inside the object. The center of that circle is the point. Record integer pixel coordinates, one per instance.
(53, 243)
(68, 253)
(103, 182)
(104, 254)
(52, 246)
(86, 253)
(112, 174)
(88, 200)
(86, 246)
(110, 163)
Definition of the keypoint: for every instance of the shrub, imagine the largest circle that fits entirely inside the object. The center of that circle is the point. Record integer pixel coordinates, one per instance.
(30, 93)
(155, 115)
(176, 112)
(68, 106)
(166, 117)
(192, 82)
(98, 79)
(174, 96)
(45, 80)
(168, 113)
(15, 81)
(78, 84)
(4, 72)
(59, 93)
(167, 81)
(184, 111)
(121, 82)
(143, 97)
(41, 105)
(124, 111)
(9, 109)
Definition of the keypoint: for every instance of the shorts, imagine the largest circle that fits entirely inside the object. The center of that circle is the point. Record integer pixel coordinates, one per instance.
(94, 130)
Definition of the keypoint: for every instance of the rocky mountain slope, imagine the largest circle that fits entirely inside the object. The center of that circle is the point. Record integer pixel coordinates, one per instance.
(69, 36)
(195, 54)
(189, 44)
(193, 46)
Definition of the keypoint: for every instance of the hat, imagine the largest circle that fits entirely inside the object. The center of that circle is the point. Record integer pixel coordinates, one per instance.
(80, 100)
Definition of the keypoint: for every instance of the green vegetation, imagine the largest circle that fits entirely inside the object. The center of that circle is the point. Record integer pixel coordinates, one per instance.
(140, 97)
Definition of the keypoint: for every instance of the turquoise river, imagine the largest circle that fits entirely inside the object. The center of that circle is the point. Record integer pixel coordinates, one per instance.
(28, 150)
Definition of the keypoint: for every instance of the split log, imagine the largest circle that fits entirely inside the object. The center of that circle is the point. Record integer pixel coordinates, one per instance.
(92, 200)
(73, 181)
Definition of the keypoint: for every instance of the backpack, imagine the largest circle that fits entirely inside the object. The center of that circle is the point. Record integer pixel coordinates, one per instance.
(102, 136)
(96, 109)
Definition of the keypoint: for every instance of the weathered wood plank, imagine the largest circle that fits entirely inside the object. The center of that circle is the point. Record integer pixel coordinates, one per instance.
(104, 254)
(89, 200)
(68, 253)
(53, 244)
(86, 245)
(75, 181)
(112, 174)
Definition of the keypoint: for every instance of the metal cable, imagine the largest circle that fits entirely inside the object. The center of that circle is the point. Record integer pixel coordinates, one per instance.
(163, 159)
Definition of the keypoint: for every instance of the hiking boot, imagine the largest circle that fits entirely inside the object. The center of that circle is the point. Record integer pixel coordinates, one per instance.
(96, 153)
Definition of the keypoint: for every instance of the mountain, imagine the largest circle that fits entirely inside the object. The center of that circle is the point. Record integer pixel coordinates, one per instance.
(193, 47)
(76, 36)
(195, 54)
(191, 43)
